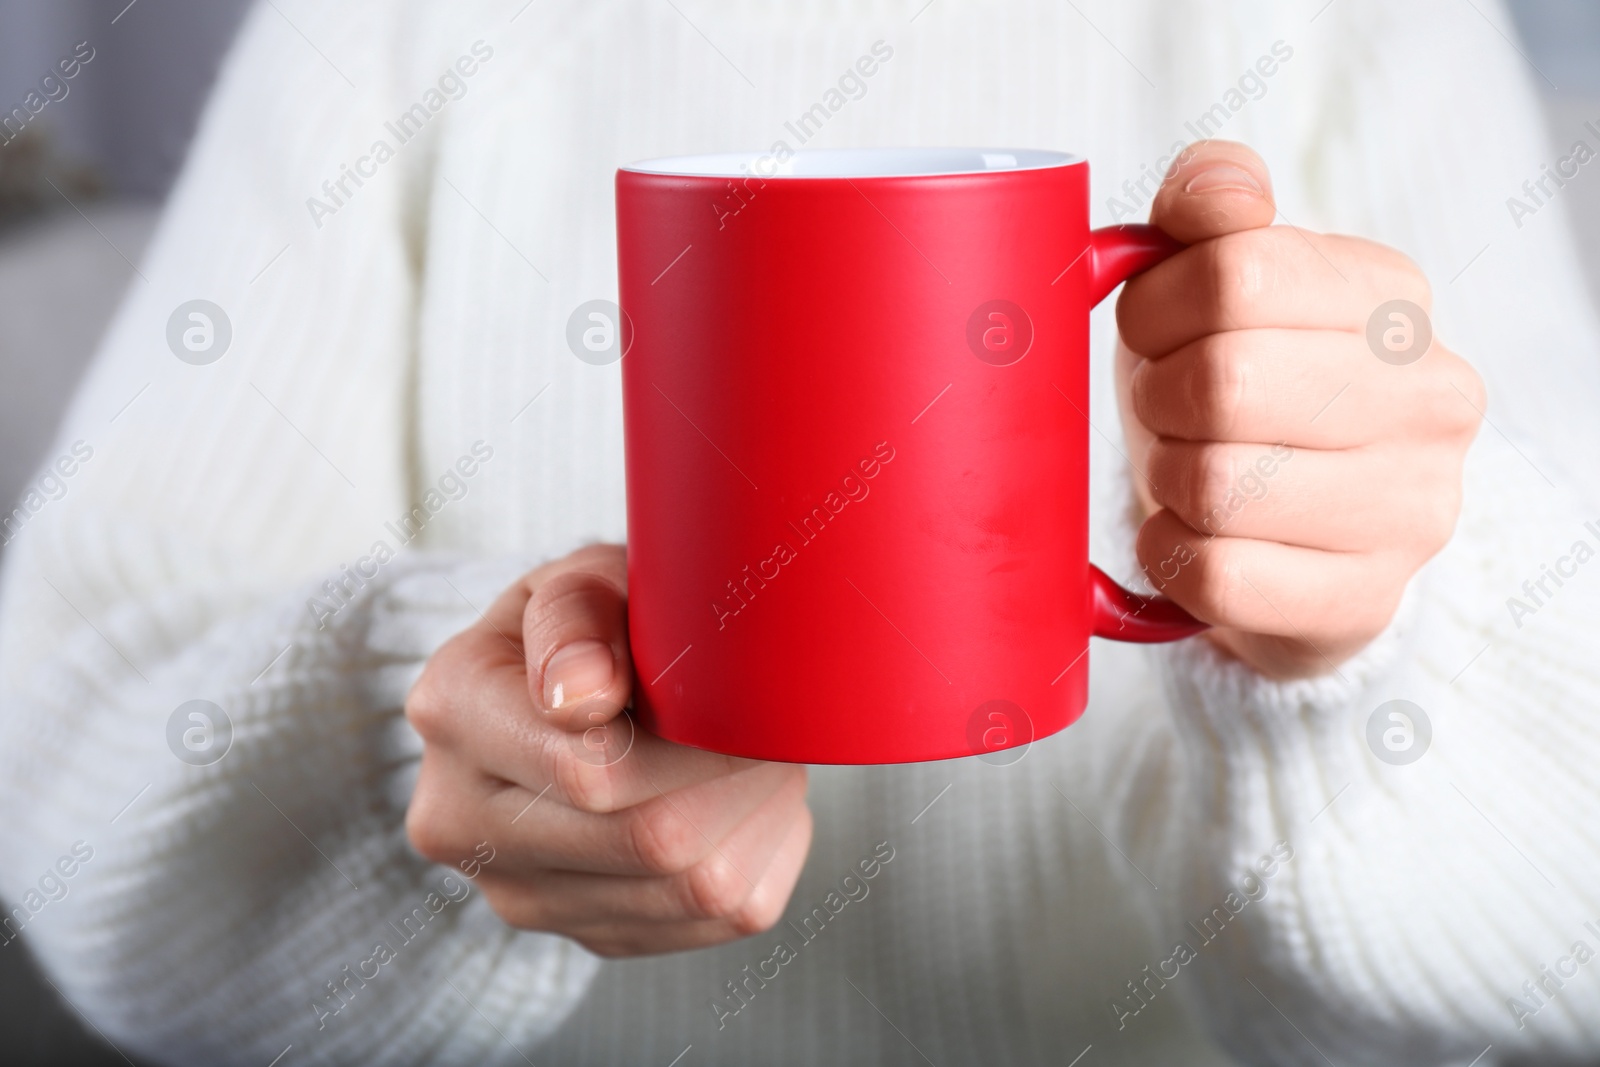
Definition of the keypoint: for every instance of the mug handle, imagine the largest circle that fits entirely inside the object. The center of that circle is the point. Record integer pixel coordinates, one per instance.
(1115, 254)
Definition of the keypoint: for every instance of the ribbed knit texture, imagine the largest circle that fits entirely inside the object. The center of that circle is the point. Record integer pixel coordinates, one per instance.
(428, 313)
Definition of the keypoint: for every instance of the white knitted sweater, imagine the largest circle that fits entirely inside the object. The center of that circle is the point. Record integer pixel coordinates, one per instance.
(1412, 914)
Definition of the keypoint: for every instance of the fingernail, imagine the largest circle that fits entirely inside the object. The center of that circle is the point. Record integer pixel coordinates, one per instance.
(577, 672)
(1224, 176)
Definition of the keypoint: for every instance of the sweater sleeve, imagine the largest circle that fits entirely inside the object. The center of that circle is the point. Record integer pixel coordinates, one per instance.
(1397, 862)
(208, 627)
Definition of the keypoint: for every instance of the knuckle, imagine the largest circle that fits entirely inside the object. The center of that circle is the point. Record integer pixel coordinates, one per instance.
(517, 908)
(1235, 273)
(1378, 612)
(586, 786)
(1151, 545)
(1219, 382)
(1440, 524)
(428, 827)
(1216, 580)
(605, 948)
(716, 890)
(1209, 479)
(1454, 397)
(1169, 468)
(1177, 475)
(570, 592)
(1147, 389)
(1421, 286)
(1167, 550)
(662, 841)
(759, 913)
(427, 706)
(1413, 281)
(1468, 416)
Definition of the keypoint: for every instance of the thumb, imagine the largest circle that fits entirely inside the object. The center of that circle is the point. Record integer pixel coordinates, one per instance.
(1215, 188)
(575, 638)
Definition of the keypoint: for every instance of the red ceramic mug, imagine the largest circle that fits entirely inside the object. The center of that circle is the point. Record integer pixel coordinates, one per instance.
(856, 396)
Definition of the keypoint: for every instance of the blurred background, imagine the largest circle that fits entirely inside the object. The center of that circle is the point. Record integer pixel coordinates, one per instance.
(82, 184)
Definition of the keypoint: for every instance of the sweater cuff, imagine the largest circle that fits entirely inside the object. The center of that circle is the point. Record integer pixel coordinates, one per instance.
(1303, 738)
(297, 825)
(1233, 723)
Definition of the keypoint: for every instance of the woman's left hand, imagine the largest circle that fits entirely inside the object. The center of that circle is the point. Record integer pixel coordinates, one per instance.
(1300, 441)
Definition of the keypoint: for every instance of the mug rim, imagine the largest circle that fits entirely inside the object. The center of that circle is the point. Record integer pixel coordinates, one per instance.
(836, 163)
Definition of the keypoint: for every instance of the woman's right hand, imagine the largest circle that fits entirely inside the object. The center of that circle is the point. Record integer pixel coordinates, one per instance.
(624, 842)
